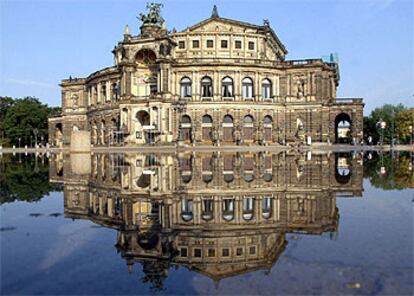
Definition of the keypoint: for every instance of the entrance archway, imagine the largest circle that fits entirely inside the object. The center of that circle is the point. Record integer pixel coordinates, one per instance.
(267, 127)
(343, 170)
(343, 129)
(186, 128)
(228, 128)
(207, 128)
(248, 132)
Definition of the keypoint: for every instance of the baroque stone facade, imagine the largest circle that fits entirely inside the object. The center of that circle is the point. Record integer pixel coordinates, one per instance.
(221, 214)
(218, 82)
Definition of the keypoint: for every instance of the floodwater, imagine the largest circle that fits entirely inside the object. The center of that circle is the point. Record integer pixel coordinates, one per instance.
(207, 223)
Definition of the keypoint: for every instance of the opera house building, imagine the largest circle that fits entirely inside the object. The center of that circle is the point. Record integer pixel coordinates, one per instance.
(218, 82)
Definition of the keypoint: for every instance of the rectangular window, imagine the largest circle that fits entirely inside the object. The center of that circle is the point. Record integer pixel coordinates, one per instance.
(211, 252)
(252, 250)
(238, 44)
(197, 253)
(183, 252)
(226, 252)
(251, 45)
(196, 44)
(181, 44)
(210, 44)
(239, 251)
(224, 44)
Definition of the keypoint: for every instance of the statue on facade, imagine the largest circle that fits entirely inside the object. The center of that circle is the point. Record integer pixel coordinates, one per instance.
(153, 16)
(301, 89)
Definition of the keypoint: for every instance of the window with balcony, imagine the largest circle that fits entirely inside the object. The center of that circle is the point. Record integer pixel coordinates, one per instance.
(266, 89)
(185, 86)
(206, 87)
(247, 88)
(227, 87)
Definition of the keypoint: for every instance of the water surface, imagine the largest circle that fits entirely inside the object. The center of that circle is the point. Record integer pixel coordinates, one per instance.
(207, 223)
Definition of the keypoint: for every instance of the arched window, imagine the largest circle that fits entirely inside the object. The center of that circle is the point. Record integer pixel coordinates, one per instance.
(267, 120)
(228, 119)
(247, 88)
(248, 203)
(207, 119)
(266, 207)
(206, 87)
(207, 127)
(186, 119)
(185, 86)
(228, 209)
(266, 89)
(186, 209)
(248, 121)
(207, 209)
(227, 87)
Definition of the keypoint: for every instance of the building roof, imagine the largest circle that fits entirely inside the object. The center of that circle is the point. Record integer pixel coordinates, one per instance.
(216, 17)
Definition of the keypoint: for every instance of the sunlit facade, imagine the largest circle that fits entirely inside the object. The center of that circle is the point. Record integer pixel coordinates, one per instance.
(218, 82)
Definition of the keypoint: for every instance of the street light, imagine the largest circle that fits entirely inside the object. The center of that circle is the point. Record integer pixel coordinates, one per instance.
(381, 124)
(35, 132)
(410, 128)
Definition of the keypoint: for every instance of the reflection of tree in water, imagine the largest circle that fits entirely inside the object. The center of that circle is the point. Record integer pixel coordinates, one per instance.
(155, 273)
(389, 170)
(24, 178)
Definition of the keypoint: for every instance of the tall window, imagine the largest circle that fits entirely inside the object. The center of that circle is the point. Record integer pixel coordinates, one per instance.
(224, 43)
(181, 44)
(228, 209)
(251, 45)
(210, 43)
(266, 89)
(248, 203)
(238, 44)
(185, 87)
(206, 87)
(247, 88)
(186, 209)
(227, 87)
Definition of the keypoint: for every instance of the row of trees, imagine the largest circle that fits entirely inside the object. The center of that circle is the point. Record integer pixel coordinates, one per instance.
(23, 120)
(398, 120)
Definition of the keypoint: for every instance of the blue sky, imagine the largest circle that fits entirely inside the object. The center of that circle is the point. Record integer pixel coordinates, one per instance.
(45, 41)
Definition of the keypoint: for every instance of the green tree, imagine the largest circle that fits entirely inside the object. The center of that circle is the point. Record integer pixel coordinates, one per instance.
(23, 117)
(386, 113)
(5, 104)
(403, 120)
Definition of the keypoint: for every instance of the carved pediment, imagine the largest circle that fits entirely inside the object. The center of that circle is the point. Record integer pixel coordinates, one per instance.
(223, 25)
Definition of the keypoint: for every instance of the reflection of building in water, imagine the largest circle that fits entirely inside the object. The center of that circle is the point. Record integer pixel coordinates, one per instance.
(220, 214)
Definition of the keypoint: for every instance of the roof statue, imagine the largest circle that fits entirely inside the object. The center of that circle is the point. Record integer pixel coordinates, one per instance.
(266, 23)
(154, 14)
(214, 13)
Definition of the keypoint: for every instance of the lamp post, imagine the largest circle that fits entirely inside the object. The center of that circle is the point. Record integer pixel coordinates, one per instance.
(410, 128)
(35, 132)
(381, 124)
